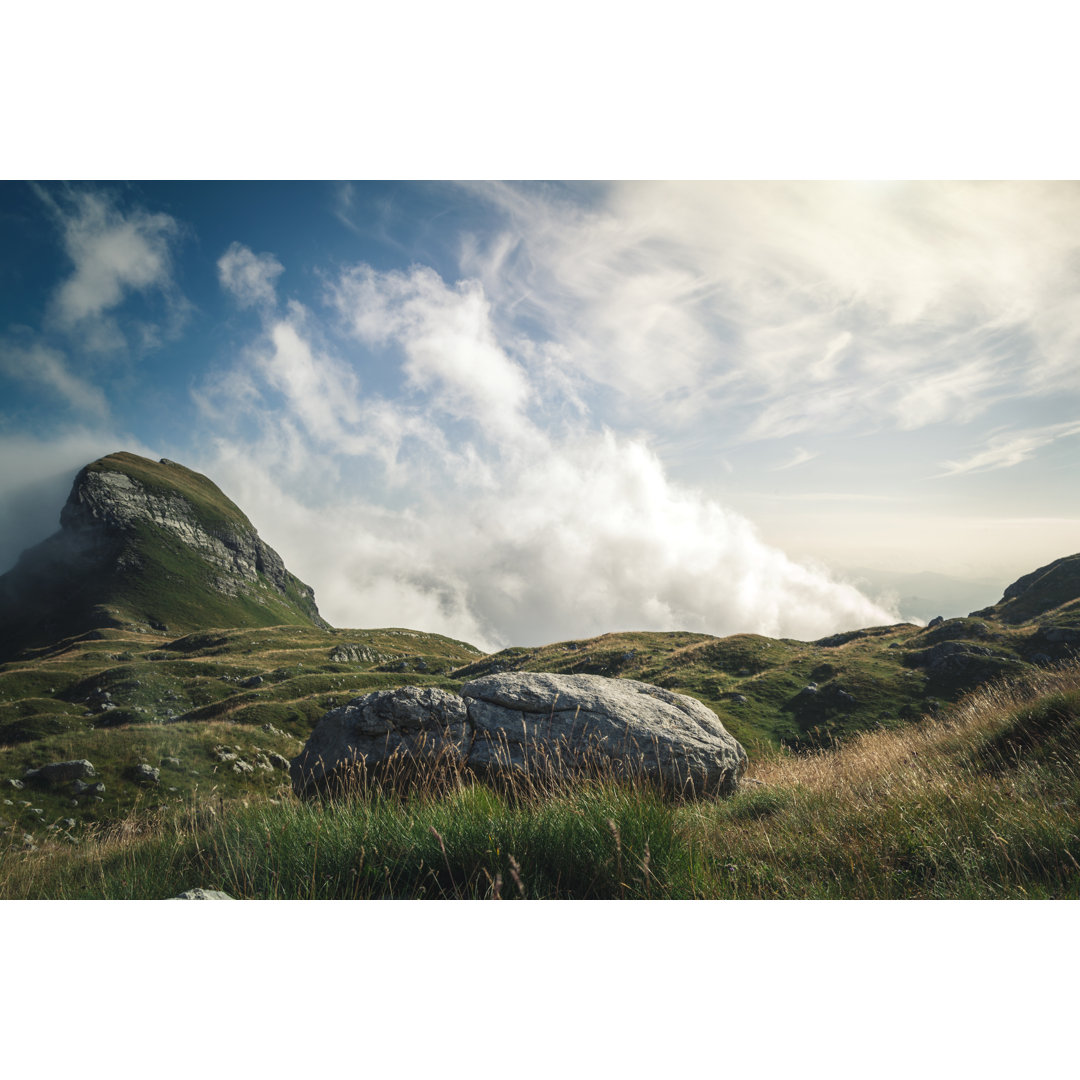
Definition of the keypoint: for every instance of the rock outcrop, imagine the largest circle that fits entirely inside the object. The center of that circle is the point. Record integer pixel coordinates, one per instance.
(527, 723)
(149, 546)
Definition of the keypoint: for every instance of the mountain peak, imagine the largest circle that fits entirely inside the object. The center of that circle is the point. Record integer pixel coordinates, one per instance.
(148, 543)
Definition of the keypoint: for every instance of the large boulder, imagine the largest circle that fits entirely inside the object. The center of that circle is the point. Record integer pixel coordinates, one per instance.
(384, 728)
(528, 723)
(534, 720)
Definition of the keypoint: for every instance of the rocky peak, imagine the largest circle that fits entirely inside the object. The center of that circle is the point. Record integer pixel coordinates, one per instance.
(151, 542)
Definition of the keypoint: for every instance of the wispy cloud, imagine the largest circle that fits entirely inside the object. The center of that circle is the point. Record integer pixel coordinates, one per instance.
(799, 457)
(786, 308)
(47, 368)
(1008, 449)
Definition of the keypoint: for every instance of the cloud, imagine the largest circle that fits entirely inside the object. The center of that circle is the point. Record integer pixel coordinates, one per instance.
(1004, 451)
(37, 364)
(249, 277)
(781, 308)
(798, 457)
(36, 474)
(498, 529)
(114, 254)
(447, 337)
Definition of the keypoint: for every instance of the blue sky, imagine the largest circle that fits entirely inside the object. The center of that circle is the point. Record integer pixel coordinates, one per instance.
(519, 412)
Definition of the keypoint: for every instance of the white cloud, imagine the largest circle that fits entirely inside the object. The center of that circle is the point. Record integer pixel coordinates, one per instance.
(249, 277)
(49, 368)
(500, 530)
(113, 254)
(1006, 450)
(799, 307)
(448, 340)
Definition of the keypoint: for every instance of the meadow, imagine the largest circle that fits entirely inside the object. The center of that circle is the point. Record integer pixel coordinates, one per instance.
(979, 801)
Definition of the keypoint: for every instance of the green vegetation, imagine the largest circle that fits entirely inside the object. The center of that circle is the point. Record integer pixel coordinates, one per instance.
(893, 761)
(981, 803)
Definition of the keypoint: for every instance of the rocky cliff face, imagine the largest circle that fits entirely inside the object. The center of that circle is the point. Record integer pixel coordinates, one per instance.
(110, 503)
(145, 543)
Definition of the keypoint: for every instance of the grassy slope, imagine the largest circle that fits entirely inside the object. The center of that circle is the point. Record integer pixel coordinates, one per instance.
(182, 698)
(984, 803)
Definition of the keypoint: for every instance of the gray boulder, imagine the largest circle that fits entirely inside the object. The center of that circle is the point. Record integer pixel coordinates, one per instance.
(523, 720)
(144, 774)
(407, 725)
(203, 894)
(538, 724)
(61, 770)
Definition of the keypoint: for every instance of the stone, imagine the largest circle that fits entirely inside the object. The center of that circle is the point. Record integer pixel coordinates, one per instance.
(255, 680)
(278, 762)
(630, 727)
(936, 621)
(1060, 634)
(241, 767)
(171, 762)
(534, 723)
(409, 723)
(61, 770)
(144, 774)
(17, 784)
(203, 894)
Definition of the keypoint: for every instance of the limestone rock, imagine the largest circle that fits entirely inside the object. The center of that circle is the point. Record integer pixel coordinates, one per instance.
(410, 723)
(61, 770)
(144, 774)
(541, 724)
(203, 894)
(630, 726)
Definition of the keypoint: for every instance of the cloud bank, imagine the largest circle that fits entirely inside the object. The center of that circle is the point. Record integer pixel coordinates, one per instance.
(472, 499)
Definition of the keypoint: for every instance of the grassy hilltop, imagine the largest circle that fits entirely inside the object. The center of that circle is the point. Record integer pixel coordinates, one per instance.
(888, 761)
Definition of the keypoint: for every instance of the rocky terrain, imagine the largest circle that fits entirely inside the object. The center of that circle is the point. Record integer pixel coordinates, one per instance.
(156, 652)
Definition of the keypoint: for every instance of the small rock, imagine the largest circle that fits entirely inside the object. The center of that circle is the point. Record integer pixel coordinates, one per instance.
(279, 762)
(255, 680)
(936, 621)
(17, 784)
(203, 894)
(171, 762)
(241, 767)
(144, 774)
(68, 823)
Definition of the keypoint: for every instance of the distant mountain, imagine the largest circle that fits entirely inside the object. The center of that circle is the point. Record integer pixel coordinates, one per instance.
(152, 545)
(924, 595)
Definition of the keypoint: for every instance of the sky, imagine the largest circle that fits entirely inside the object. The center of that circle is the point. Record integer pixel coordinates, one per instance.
(522, 412)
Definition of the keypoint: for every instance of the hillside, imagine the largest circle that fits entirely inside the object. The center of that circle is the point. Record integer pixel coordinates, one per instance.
(150, 546)
(803, 694)
(157, 629)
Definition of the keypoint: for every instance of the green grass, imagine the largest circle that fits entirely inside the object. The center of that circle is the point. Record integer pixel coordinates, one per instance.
(982, 803)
